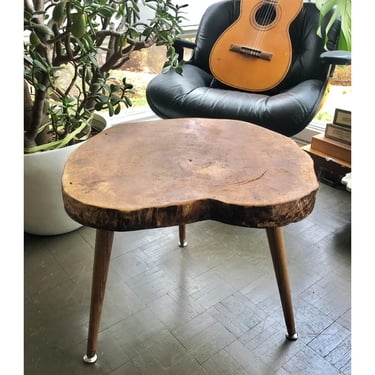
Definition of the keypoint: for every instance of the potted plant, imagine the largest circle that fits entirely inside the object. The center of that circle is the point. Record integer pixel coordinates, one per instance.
(66, 82)
(331, 10)
(340, 9)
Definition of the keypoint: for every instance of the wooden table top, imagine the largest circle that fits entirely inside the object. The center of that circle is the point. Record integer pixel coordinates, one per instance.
(178, 171)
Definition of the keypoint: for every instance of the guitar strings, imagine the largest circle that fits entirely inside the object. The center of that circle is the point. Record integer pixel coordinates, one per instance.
(266, 13)
(265, 16)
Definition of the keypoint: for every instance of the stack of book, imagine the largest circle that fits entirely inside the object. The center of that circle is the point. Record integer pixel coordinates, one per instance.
(336, 141)
(341, 128)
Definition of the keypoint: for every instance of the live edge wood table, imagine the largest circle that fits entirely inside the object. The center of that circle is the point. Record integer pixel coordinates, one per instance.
(174, 172)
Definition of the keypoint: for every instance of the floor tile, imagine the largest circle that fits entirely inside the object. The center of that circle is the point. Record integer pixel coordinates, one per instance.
(210, 308)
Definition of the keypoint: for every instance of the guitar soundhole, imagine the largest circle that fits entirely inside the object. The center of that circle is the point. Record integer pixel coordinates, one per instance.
(265, 14)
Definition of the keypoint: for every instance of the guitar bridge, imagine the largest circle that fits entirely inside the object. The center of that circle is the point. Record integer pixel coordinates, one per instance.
(253, 52)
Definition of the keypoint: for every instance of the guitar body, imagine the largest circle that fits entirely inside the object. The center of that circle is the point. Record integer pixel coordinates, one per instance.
(254, 53)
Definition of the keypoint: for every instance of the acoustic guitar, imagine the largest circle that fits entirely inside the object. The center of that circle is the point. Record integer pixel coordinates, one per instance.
(254, 53)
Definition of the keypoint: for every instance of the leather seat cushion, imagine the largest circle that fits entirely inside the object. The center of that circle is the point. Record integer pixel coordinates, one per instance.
(191, 94)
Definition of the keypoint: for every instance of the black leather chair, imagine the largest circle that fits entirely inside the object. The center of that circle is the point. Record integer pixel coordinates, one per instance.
(287, 108)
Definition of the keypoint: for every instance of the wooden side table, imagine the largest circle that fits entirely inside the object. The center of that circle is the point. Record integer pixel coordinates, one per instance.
(174, 172)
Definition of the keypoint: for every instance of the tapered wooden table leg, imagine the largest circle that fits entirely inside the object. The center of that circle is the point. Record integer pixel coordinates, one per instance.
(182, 235)
(103, 249)
(276, 243)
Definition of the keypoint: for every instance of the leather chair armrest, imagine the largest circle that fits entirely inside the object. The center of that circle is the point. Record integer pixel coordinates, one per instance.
(180, 45)
(337, 57)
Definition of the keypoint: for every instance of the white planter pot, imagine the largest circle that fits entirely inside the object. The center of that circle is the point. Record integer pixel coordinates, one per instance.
(44, 212)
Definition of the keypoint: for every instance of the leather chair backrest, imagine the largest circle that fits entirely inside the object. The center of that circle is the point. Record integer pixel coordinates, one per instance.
(306, 44)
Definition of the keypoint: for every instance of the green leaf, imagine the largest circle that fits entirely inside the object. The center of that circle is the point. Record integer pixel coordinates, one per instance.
(115, 88)
(78, 24)
(179, 70)
(103, 98)
(43, 30)
(114, 99)
(127, 102)
(110, 109)
(59, 13)
(41, 66)
(98, 106)
(106, 12)
(341, 9)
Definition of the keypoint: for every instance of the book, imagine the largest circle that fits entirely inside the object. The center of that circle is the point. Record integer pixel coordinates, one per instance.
(343, 117)
(339, 133)
(321, 157)
(332, 148)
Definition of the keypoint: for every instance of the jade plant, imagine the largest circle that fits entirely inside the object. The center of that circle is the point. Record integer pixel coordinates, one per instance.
(66, 81)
